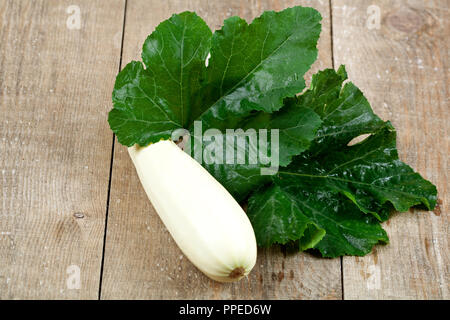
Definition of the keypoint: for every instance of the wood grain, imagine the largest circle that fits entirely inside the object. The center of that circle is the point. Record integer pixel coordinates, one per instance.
(141, 259)
(55, 144)
(403, 69)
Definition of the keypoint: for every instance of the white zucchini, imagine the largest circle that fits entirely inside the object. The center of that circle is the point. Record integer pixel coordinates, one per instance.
(205, 221)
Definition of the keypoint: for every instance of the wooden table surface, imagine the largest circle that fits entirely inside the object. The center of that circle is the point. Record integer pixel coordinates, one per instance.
(71, 205)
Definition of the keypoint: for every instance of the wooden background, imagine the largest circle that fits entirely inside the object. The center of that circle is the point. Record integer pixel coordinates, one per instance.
(70, 197)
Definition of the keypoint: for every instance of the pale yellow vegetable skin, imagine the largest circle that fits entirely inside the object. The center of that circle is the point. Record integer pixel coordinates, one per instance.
(205, 221)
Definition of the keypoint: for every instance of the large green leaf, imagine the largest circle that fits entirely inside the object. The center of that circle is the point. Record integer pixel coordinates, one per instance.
(314, 218)
(336, 185)
(150, 103)
(344, 110)
(328, 194)
(297, 127)
(366, 172)
(279, 218)
(253, 67)
(345, 114)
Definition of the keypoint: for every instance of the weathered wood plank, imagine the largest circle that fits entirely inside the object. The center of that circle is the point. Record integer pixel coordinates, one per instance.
(402, 67)
(55, 144)
(141, 259)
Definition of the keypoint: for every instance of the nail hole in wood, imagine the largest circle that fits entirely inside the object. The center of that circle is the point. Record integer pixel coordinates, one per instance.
(78, 215)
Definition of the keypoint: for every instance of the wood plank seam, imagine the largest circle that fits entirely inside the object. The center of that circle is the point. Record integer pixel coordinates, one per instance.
(111, 164)
(341, 259)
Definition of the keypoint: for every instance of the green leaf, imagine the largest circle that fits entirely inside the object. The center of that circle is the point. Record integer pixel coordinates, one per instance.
(317, 219)
(253, 67)
(279, 219)
(366, 172)
(335, 185)
(297, 127)
(239, 180)
(344, 110)
(150, 103)
(328, 194)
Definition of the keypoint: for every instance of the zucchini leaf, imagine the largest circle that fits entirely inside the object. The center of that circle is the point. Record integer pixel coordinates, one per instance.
(313, 218)
(149, 103)
(328, 194)
(297, 127)
(252, 67)
(343, 190)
